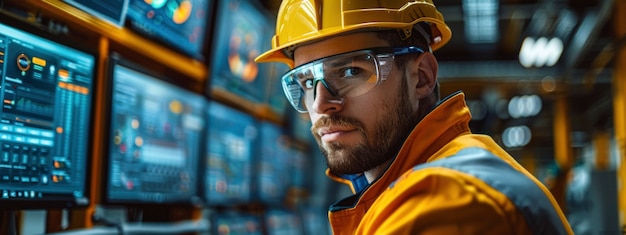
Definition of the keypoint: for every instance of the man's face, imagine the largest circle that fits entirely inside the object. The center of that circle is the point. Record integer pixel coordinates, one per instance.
(359, 133)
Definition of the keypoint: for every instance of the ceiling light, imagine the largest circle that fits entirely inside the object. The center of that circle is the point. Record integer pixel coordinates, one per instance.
(540, 52)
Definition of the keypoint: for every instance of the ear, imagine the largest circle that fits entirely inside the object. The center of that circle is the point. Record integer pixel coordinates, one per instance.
(423, 75)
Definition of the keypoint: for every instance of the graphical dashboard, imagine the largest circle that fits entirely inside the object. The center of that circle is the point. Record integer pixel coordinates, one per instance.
(272, 166)
(155, 135)
(229, 157)
(224, 223)
(46, 92)
(242, 34)
(181, 24)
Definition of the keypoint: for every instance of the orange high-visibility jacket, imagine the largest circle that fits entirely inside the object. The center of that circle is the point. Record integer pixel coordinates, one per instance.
(446, 180)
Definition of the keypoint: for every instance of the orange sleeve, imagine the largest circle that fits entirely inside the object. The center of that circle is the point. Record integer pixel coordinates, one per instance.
(442, 201)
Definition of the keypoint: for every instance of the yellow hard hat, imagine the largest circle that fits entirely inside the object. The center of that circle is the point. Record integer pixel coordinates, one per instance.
(304, 21)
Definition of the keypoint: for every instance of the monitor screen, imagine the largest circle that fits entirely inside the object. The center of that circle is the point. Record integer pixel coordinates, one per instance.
(300, 126)
(113, 11)
(46, 89)
(315, 220)
(272, 169)
(154, 141)
(242, 33)
(275, 97)
(231, 222)
(299, 168)
(181, 24)
(282, 221)
(232, 136)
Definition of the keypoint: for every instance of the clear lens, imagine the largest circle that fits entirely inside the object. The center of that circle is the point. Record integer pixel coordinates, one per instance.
(294, 93)
(345, 75)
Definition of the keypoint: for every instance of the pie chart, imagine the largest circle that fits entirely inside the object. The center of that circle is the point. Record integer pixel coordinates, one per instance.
(178, 10)
(181, 12)
(156, 4)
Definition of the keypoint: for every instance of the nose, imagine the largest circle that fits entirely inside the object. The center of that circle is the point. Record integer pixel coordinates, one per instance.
(324, 100)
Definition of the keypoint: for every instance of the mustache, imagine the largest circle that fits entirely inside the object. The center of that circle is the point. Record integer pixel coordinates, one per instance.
(336, 121)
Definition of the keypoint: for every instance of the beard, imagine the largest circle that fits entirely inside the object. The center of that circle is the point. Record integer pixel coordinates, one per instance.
(379, 145)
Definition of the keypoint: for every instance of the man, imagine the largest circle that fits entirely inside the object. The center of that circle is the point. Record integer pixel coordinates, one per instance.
(364, 72)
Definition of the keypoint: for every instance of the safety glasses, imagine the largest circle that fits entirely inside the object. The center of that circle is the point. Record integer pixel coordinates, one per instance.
(348, 74)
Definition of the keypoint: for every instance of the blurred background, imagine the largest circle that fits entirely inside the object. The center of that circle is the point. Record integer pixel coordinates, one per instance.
(545, 78)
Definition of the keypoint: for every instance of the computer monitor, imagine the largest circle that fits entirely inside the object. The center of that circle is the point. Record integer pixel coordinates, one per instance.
(233, 222)
(272, 174)
(180, 24)
(314, 220)
(46, 87)
(242, 33)
(282, 221)
(154, 142)
(113, 11)
(299, 168)
(231, 146)
(299, 126)
(275, 97)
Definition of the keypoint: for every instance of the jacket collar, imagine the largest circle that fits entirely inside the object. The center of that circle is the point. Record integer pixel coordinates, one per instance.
(448, 119)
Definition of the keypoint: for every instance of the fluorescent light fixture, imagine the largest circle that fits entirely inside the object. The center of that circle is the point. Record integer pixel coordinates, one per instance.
(540, 52)
(481, 20)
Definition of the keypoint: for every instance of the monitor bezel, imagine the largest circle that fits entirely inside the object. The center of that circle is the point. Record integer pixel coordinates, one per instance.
(116, 58)
(61, 201)
(119, 22)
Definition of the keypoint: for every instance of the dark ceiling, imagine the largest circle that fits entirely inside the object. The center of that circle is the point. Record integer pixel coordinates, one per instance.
(486, 71)
(587, 32)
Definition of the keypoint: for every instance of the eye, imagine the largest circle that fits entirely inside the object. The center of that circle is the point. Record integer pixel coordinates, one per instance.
(308, 84)
(350, 72)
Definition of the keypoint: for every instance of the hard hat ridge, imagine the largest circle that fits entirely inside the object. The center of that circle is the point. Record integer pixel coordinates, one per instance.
(304, 21)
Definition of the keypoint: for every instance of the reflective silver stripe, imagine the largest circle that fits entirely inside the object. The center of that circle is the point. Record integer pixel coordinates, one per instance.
(530, 200)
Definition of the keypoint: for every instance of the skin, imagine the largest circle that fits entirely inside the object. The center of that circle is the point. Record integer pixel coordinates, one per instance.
(363, 134)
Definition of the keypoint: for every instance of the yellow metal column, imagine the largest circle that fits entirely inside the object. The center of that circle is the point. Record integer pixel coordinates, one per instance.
(602, 145)
(563, 152)
(619, 105)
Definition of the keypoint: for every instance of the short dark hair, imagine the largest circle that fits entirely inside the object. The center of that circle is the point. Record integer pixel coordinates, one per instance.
(394, 38)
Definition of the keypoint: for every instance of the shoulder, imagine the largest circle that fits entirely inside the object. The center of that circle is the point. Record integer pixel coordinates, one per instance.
(469, 164)
(466, 171)
(468, 187)
(464, 175)
(461, 181)
(444, 200)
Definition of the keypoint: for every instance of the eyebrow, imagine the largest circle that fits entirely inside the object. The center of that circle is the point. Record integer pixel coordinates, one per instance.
(342, 62)
(337, 64)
